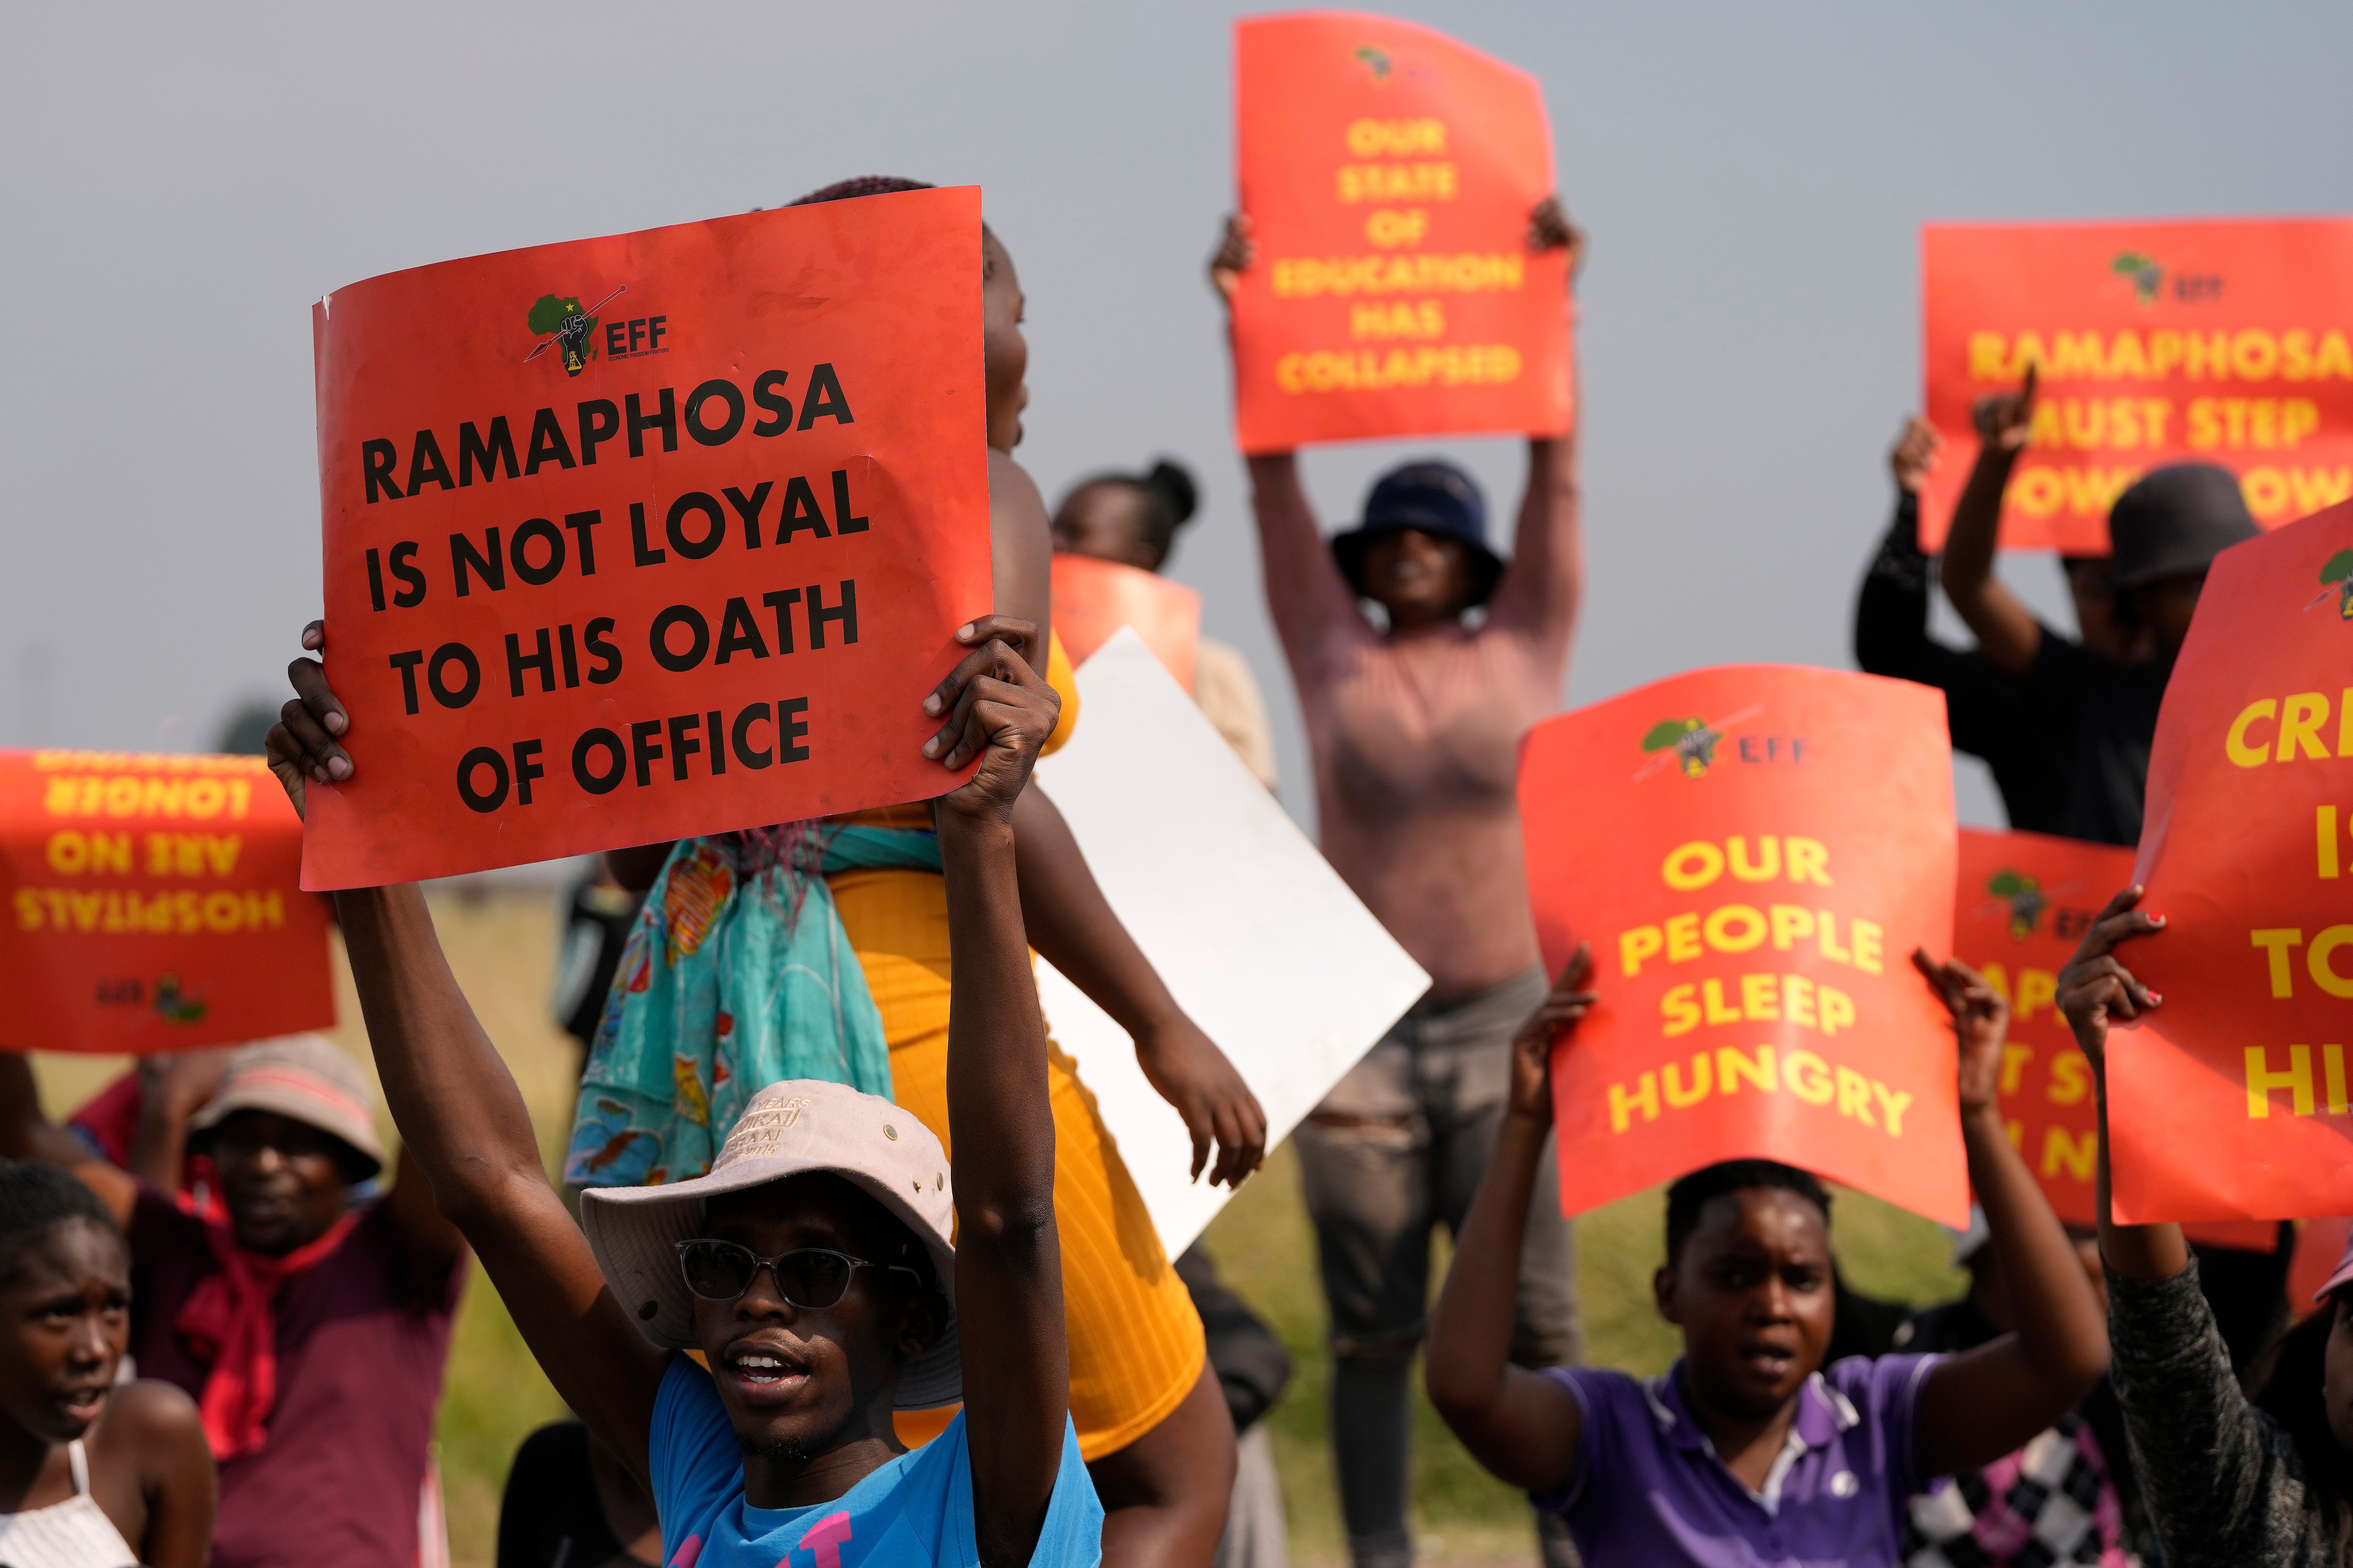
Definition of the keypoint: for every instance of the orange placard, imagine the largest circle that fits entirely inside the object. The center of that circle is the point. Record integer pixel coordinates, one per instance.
(151, 905)
(2231, 1101)
(2022, 902)
(1388, 172)
(1094, 598)
(2225, 341)
(1752, 852)
(647, 536)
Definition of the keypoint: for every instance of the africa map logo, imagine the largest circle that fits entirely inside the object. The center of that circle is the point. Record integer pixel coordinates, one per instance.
(1376, 61)
(1690, 743)
(2337, 577)
(2024, 896)
(557, 321)
(2145, 274)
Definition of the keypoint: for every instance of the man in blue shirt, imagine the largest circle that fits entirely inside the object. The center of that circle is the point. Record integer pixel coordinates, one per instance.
(813, 1266)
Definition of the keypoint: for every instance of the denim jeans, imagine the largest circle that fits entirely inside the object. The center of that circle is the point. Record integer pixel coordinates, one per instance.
(1395, 1149)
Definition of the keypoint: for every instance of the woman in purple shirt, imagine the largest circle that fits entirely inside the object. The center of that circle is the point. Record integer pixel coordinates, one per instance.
(1748, 1452)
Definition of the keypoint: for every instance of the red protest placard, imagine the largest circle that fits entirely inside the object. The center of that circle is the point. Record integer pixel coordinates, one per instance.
(2022, 902)
(1094, 598)
(2231, 1101)
(1754, 852)
(1388, 172)
(2225, 341)
(652, 535)
(151, 905)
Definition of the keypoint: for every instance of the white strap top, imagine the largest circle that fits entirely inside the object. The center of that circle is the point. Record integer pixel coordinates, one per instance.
(75, 1533)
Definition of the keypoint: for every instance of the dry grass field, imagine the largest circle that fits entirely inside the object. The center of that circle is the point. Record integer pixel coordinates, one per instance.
(502, 944)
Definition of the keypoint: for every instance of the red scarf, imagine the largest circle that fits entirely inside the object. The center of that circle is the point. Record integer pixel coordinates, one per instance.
(231, 1321)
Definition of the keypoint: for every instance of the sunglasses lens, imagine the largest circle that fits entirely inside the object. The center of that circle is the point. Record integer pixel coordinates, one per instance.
(716, 1271)
(813, 1279)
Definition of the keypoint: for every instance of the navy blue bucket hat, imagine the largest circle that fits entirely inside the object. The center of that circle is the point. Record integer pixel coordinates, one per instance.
(1435, 497)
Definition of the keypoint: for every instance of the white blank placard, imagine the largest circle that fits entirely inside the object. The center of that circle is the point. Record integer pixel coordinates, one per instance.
(1253, 932)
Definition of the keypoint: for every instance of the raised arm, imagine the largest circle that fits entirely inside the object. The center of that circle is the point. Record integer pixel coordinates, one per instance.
(27, 1134)
(1304, 591)
(463, 1121)
(1075, 929)
(1008, 1271)
(1987, 1402)
(2006, 630)
(1523, 1425)
(1544, 584)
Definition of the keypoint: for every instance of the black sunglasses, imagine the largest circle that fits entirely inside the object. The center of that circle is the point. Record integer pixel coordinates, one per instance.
(812, 1278)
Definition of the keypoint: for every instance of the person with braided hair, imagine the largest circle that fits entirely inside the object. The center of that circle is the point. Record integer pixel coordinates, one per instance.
(778, 998)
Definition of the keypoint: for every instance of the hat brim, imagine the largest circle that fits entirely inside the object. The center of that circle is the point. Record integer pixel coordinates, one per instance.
(634, 1233)
(359, 1137)
(1348, 554)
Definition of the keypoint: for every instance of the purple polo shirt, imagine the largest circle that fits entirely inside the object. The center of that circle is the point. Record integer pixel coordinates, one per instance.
(1650, 1489)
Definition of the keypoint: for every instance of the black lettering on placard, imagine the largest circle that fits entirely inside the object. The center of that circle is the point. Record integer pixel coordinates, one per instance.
(718, 746)
(845, 613)
(665, 419)
(375, 579)
(645, 748)
(526, 768)
(474, 452)
(740, 733)
(749, 509)
(376, 458)
(537, 527)
(844, 519)
(790, 730)
(412, 596)
(488, 799)
(407, 664)
(599, 423)
(547, 443)
(724, 392)
(683, 744)
(738, 634)
(582, 525)
(542, 661)
(424, 463)
(674, 525)
(782, 600)
(487, 563)
(658, 638)
(571, 657)
(459, 654)
(801, 512)
(595, 740)
(824, 399)
(594, 638)
(645, 557)
(769, 392)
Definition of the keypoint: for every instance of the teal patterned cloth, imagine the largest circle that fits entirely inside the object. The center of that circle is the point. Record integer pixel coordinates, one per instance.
(730, 983)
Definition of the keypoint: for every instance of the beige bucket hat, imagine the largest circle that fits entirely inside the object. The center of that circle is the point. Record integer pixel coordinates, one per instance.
(305, 1078)
(789, 1127)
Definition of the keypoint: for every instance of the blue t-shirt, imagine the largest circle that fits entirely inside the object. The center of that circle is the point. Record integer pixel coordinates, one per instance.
(914, 1512)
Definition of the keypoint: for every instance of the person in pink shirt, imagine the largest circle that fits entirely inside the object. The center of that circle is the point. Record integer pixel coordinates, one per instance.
(1414, 722)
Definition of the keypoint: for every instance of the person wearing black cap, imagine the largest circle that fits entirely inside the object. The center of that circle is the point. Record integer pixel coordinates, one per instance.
(1413, 720)
(1986, 708)
(2165, 531)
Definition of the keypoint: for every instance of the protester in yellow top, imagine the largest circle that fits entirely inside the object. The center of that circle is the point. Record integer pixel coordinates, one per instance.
(738, 976)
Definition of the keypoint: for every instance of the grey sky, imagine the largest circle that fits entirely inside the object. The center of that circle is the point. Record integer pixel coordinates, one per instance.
(181, 182)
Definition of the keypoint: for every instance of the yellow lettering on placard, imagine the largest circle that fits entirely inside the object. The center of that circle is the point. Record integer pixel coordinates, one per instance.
(2261, 1080)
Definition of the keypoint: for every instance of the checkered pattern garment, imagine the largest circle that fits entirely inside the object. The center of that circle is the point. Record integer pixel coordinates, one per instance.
(2052, 1502)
